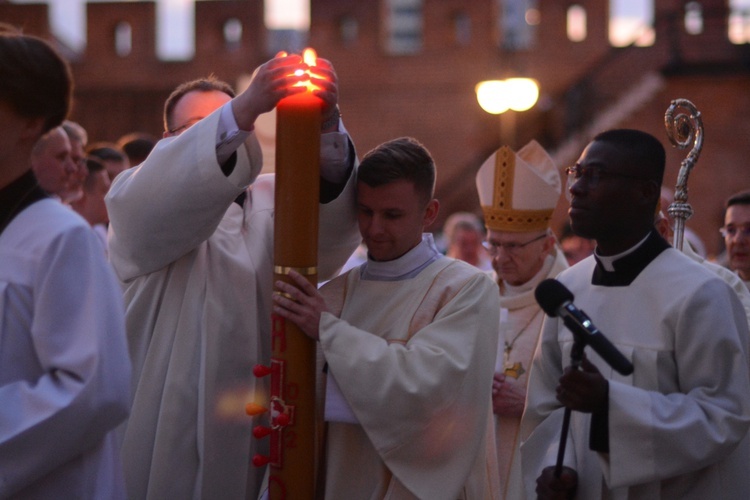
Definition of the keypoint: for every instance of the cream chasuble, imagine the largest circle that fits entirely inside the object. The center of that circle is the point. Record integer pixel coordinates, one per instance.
(413, 359)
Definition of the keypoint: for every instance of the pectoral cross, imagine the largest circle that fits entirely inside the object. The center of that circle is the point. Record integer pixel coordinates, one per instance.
(514, 370)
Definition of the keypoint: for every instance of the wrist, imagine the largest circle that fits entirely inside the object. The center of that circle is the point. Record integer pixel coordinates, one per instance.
(331, 121)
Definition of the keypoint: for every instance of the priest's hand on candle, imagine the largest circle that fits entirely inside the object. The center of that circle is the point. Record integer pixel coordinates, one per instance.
(271, 82)
(301, 303)
(323, 76)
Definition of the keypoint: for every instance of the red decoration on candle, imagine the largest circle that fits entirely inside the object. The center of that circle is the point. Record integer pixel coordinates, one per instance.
(261, 370)
(261, 431)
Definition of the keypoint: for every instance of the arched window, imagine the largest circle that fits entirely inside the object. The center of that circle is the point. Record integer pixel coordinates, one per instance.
(694, 18)
(462, 28)
(631, 22)
(348, 29)
(576, 23)
(739, 21)
(404, 26)
(123, 39)
(232, 33)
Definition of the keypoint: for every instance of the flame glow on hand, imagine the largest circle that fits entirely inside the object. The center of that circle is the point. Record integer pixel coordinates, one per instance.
(309, 57)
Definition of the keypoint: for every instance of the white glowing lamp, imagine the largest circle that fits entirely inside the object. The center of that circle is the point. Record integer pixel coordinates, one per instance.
(498, 96)
(492, 96)
(522, 93)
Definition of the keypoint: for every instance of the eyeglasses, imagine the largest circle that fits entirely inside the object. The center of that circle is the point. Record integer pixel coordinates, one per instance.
(593, 175)
(735, 231)
(511, 248)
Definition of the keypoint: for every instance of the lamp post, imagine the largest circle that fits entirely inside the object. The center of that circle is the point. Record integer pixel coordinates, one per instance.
(505, 98)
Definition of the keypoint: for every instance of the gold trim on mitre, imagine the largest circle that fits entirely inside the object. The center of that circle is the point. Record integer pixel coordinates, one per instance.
(517, 221)
(500, 216)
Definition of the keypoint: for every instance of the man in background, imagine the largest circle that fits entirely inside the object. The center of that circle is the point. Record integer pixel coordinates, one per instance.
(52, 163)
(736, 233)
(464, 235)
(111, 156)
(90, 205)
(523, 250)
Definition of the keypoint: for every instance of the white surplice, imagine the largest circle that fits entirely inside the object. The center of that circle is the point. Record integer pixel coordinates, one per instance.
(64, 367)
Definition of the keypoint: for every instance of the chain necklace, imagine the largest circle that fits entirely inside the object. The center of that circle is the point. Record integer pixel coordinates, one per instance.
(516, 369)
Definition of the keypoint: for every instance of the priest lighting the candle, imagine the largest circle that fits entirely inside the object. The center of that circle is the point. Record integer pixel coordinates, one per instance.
(191, 239)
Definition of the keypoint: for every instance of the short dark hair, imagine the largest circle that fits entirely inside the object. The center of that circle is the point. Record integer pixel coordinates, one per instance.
(639, 149)
(106, 151)
(36, 81)
(741, 198)
(207, 84)
(93, 165)
(137, 146)
(400, 159)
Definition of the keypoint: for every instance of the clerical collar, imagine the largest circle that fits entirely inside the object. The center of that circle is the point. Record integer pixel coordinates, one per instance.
(407, 266)
(628, 265)
(607, 261)
(18, 195)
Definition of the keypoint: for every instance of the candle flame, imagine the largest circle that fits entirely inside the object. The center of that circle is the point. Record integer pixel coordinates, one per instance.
(309, 56)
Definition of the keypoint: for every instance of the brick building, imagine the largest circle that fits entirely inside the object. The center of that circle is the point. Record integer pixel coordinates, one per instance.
(409, 67)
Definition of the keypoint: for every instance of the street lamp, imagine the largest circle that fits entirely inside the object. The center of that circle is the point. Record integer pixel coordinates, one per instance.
(498, 96)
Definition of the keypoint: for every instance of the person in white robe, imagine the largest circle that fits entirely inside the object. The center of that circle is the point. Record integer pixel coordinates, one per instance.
(196, 263)
(676, 427)
(409, 339)
(64, 366)
(664, 226)
(518, 193)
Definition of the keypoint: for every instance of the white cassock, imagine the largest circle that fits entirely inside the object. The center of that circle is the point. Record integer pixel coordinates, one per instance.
(413, 360)
(678, 424)
(197, 270)
(64, 367)
(731, 278)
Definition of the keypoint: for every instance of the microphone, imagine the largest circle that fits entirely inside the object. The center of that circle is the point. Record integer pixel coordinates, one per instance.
(556, 300)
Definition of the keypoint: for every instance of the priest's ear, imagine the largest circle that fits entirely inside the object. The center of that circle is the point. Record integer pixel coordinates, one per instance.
(431, 212)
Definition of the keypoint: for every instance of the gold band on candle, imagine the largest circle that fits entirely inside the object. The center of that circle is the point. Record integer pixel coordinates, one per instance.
(304, 271)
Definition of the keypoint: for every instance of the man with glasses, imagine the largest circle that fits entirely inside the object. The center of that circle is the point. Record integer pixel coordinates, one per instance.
(736, 233)
(518, 193)
(677, 426)
(191, 238)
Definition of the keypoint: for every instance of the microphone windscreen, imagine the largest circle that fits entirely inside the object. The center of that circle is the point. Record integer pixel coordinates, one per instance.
(551, 294)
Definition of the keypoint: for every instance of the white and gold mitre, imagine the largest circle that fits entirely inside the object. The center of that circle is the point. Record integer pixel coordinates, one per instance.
(518, 191)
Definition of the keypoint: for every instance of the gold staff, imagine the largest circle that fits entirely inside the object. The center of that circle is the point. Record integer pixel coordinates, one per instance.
(682, 129)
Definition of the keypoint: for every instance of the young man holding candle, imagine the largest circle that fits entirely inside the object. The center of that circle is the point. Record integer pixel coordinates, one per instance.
(409, 338)
(191, 238)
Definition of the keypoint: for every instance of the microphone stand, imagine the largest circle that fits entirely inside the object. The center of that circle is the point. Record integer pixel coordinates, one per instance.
(576, 358)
